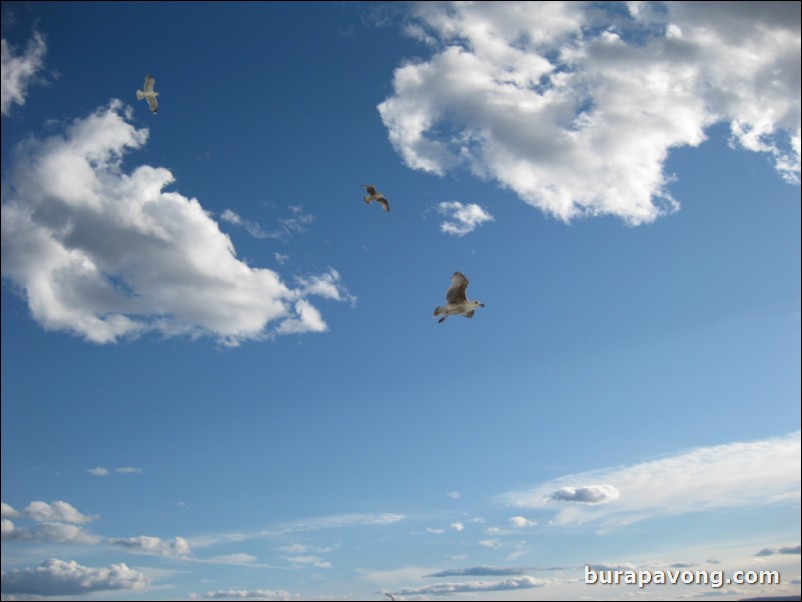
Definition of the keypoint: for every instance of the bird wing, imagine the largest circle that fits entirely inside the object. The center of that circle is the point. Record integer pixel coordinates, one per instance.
(149, 83)
(470, 313)
(154, 106)
(456, 292)
(384, 203)
(371, 189)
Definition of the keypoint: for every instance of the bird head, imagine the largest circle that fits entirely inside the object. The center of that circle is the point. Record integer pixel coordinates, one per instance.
(476, 304)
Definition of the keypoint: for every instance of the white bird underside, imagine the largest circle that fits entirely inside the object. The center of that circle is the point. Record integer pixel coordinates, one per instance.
(149, 94)
(375, 196)
(457, 304)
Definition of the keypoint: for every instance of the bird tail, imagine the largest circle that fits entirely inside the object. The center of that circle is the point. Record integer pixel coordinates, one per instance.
(140, 95)
(439, 310)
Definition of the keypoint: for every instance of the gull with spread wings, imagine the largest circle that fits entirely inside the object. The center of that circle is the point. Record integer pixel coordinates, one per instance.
(149, 94)
(375, 196)
(457, 304)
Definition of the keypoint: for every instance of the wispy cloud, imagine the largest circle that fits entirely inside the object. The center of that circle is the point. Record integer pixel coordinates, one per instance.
(107, 254)
(244, 594)
(252, 228)
(457, 526)
(723, 476)
(479, 571)
(19, 70)
(335, 521)
(235, 559)
(101, 471)
(313, 561)
(575, 107)
(59, 578)
(462, 219)
(177, 547)
(449, 589)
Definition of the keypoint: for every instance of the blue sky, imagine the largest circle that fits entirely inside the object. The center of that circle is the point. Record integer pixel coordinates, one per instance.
(221, 377)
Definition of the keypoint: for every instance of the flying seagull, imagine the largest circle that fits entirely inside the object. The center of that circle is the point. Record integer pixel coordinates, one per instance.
(375, 196)
(456, 302)
(149, 94)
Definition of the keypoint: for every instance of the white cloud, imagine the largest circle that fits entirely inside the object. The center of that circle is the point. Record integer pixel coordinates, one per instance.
(47, 531)
(145, 544)
(55, 511)
(587, 494)
(454, 495)
(59, 578)
(449, 589)
(457, 526)
(107, 254)
(256, 594)
(576, 109)
(338, 521)
(56, 522)
(462, 219)
(239, 558)
(19, 70)
(731, 475)
(326, 285)
(7, 511)
(128, 470)
(435, 531)
(252, 228)
(314, 561)
(520, 521)
(479, 571)
(98, 471)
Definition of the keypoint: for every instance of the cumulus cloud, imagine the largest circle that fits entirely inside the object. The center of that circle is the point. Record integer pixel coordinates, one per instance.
(254, 594)
(59, 578)
(462, 219)
(7, 511)
(457, 526)
(55, 511)
(468, 587)
(19, 70)
(156, 546)
(743, 474)
(479, 571)
(107, 254)
(588, 494)
(520, 521)
(772, 551)
(576, 106)
(47, 531)
(56, 522)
